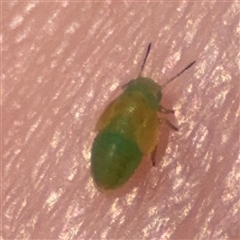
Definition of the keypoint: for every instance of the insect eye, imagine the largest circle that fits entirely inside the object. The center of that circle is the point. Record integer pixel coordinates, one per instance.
(128, 84)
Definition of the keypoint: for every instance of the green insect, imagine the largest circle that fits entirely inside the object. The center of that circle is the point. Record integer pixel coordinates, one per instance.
(128, 130)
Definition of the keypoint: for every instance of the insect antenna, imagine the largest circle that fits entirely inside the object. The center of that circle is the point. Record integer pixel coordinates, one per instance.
(171, 79)
(145, 59)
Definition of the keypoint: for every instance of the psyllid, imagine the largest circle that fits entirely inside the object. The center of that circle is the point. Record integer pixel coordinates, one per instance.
(128, 129)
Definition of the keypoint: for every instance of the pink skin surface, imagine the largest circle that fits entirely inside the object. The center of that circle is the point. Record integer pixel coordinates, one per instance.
(63, 63)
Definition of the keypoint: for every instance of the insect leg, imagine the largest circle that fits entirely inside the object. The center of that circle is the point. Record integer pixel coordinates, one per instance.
(169, 124)
(153, 156)
(164, 110)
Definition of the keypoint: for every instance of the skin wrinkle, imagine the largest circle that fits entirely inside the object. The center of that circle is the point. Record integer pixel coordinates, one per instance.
(63, 63)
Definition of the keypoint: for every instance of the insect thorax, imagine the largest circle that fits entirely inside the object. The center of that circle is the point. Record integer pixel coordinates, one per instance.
(149, 89)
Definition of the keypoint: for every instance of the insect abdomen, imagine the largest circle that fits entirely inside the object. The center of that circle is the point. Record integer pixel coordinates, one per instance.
(114, 159)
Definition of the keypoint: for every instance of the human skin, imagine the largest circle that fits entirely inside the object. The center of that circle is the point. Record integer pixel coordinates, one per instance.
(63, 63)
